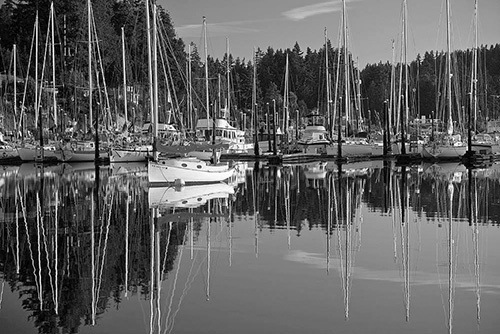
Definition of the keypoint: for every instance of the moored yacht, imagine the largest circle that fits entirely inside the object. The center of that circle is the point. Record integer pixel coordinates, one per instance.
(187, 170)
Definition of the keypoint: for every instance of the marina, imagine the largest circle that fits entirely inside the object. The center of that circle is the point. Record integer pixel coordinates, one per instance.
(206, 167)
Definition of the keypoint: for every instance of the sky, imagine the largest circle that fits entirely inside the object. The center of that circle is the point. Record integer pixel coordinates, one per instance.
(372, 25)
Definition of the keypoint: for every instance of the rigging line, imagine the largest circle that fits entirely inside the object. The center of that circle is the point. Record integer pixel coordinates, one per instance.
(477, 265)
(187, 286)
(168, 47)
(166, 248)
(440, 22)
(110, 203)
(450, 261)
(1, 292)
(92, 256)
(127, 213)
(17, 233)
(27, 77)
(39, 251)
(94, 30)
(158, 275)
(39, 94)
(173, 291)
(337, 76)
(56, 235)
(393, 189)
(329, 222)
(348, 249)
(152, 255)
(42, 224)
(23, 208)
(9, 71)
(437, 229)
(104, 250)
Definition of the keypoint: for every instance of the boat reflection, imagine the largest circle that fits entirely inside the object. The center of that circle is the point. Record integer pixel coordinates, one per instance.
(77, 243)
(191, 196)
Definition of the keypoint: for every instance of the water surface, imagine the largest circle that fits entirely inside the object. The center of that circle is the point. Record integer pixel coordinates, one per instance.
(368, 247)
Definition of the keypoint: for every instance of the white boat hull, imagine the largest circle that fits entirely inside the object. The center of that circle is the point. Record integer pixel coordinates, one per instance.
(69, 155)
(240, 148)
(186, 170)
(130, 155)
(8, 152)
(352, 149)
(445, 152)
(34, 154)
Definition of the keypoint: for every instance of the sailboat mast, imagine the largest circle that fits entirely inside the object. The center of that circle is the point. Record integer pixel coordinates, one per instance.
(190, 89)
(404, 115)
(54, 102)
(14, 50)
(155, 82)
(346, 71)
(286, 100)
(207, 101)
(38, 116)
(474, 68)
(124, 78)
(393, 91)
(89, 31)
(346, 84)
(448, 66)
(254, 104)
(219, 105)
(358, 95)
(228, 73)
(150, 68)
(330, 121)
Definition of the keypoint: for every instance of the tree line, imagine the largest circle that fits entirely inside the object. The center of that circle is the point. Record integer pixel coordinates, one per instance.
(307, 69)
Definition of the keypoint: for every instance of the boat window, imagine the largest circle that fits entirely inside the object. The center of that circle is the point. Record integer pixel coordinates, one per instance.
(184, 202)
(200, 199)
(198, 166)
(184, 165)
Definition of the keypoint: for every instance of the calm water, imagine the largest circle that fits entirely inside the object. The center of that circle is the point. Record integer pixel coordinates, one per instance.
(297, 249)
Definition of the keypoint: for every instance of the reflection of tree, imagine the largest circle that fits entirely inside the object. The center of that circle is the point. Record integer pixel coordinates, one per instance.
(286, 192)
(55, 265)
(309, 204)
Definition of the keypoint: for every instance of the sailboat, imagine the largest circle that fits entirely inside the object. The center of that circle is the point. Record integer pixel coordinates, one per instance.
(7, 151)
(187, 169)
(314, 138)
(402, 146)
(451, 146)
(346, 144)
(88, 150)
(234, 139)
(125, 151)
(40, 151)
(479, 144)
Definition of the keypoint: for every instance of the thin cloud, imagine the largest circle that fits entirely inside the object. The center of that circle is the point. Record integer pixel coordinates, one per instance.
(216, 29)
(304, 12)
(420, 278)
